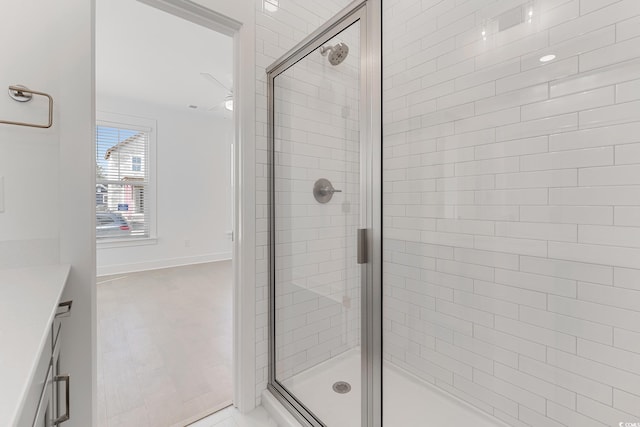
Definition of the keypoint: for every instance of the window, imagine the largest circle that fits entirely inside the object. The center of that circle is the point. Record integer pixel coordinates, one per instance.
(136, 164)
(123, 180)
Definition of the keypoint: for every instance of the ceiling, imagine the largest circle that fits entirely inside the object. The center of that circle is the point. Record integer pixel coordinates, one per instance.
(145, 54)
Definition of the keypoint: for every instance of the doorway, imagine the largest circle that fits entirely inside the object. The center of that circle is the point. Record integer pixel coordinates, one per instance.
(164, 210)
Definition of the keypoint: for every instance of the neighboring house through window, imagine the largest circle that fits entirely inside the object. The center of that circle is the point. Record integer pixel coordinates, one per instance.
(123, 181)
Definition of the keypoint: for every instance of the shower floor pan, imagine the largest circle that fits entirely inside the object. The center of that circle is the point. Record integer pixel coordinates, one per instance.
(409, 401)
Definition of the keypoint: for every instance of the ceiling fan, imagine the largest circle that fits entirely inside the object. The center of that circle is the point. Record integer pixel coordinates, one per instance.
(227, 103)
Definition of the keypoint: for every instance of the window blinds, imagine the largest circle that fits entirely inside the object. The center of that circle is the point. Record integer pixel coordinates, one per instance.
(122, 182)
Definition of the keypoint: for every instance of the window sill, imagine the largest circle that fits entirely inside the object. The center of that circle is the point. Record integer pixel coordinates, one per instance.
(123, 243)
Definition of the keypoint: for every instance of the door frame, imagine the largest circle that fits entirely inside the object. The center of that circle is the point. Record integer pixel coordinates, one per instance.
(369, 13)
(237, 20)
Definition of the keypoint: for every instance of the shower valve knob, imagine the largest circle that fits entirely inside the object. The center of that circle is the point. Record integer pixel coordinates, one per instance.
(323, 190)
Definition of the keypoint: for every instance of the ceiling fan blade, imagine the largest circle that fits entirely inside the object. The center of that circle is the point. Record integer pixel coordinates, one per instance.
(214, 80)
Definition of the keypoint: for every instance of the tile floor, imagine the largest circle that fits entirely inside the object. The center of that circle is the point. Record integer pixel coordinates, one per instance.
(231, 417)
(164, 345)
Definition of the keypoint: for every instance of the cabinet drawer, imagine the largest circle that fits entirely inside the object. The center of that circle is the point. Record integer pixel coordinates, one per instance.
(37, 387)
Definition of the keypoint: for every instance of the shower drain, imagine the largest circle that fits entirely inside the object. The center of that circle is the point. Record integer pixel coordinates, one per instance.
(342, 387)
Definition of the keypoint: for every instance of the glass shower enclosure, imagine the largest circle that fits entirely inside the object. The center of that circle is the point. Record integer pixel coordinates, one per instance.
(466, 252)
(321, 154)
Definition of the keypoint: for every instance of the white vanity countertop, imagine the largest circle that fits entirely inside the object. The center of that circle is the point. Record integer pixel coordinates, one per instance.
(28, 301)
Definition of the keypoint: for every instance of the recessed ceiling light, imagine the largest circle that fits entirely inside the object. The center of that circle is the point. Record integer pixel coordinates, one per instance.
(547, 58)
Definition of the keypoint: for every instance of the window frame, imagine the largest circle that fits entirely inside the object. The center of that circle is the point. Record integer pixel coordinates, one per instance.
(148, 126)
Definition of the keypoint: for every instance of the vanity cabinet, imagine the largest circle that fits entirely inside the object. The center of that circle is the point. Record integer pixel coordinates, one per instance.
(34, 393)
(53, 406)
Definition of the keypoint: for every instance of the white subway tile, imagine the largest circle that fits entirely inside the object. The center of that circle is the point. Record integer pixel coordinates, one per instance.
(626, 402)
(486, 350)
(567, 379)
(488, 120)
(596, 137)
(538, 179)
(595, 312)
(536, 385)
(511, 294)
(595, 20)
(512, 148)
(548, 337)
(465, 226)
(629, 91)
(494, 399)
(569, 103)
(626, 340)
(619, 52)
(480, 182)
(614, 236)
(510, 342)
(482, 167)
(464, 96)
(568, 214)
(568, 325)
(508, 245)
(542, 231)
(505, 388)
(603, 413)
(627, 277)
(595, 196)
(536, 282)
(533, 418)
(618, 378)
(627, 154)
(609, 355)
(546, 126)
(568, 159)
(570, 418)
(628, 28)
(471, 271)
(491, 259)
(596, 78)
(551, 71)
(512, 99)
(567, 269)
(532, 196)
(615, 114)
(596, 254)
(470, 139)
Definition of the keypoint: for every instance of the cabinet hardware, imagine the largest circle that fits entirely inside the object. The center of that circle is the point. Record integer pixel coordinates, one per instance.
(65, 417)
(67, 305)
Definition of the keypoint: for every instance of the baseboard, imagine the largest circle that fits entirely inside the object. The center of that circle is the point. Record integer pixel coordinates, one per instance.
(108, 270)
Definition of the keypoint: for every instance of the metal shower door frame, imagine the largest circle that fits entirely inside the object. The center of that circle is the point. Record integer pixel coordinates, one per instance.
(368, 13)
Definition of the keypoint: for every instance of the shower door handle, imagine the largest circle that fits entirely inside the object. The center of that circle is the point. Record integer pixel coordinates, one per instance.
(362, 246)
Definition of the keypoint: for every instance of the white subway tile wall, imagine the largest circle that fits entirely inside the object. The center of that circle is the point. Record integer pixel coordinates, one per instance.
(279, 27)
(512, 204)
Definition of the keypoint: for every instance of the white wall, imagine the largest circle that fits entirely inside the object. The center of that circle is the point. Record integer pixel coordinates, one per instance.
(49, 173)
(193, 189)
(512, 239)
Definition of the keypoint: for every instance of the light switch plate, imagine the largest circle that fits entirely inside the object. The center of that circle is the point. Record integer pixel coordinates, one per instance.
(1, 194)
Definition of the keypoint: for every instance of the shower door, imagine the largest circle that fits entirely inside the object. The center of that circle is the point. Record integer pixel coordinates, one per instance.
(320, 225)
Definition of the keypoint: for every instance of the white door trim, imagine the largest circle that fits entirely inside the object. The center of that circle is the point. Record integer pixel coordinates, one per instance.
(242, 29)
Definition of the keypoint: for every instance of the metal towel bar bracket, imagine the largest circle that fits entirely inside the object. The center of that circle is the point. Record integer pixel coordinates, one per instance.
(23, 94)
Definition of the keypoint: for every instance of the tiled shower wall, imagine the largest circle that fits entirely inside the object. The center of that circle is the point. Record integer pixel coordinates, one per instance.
(317, 277)
(278, 29)
(512, 205)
